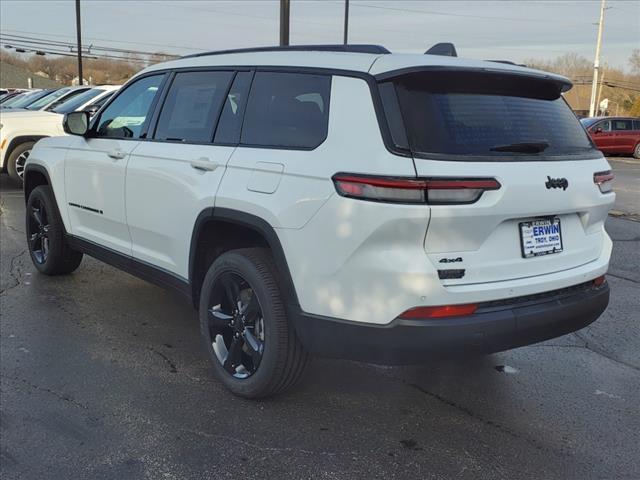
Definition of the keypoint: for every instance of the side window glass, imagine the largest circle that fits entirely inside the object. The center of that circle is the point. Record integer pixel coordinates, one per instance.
(622, 124)
(605, 126)
(191, 108)
(230, 122)
(636, 124)
(287, 110)
(127, 114)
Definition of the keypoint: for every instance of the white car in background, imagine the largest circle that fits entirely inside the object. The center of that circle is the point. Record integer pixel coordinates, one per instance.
(21, 129)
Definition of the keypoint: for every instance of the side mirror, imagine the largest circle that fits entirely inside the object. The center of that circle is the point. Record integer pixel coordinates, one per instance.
(597, 130)
(76, 123)
(92, 109)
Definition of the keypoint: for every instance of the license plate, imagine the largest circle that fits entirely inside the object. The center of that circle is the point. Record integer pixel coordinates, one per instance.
(540, 237)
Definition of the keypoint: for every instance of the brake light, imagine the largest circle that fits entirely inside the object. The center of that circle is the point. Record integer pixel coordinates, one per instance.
(412, 190)
(604, 180)
(439, 312)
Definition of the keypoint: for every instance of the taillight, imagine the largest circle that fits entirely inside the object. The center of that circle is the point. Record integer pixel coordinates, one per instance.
(598, 282)
(439, 312)
(412, 190)
(604, 180)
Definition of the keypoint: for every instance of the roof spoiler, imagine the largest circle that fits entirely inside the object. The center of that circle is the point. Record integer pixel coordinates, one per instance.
(443, 49)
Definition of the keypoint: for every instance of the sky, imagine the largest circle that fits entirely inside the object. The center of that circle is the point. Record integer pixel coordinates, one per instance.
(511, 30)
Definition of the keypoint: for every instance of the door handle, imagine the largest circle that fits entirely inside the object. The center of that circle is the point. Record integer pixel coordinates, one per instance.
(117, 154)
(204, 164)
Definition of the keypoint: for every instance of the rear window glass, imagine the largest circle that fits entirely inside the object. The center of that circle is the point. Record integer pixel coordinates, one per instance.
(487, 115)
(288, 110)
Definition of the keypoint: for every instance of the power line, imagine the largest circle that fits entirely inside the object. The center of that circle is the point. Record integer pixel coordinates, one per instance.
(71, 53)
(45, 41)
(111, 40)
(449, 14)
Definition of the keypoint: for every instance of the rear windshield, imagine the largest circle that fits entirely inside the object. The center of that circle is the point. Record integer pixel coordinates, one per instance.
(487, 115)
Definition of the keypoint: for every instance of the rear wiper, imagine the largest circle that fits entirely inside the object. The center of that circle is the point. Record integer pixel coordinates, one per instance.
(526, 147)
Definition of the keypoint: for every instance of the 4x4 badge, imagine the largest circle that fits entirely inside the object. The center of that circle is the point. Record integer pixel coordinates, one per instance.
(562, 183)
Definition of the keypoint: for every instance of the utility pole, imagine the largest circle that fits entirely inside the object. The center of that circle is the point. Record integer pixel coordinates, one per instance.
(596, 62)
(599, 93)
(346, 21)
(79, 34)
(284, 22)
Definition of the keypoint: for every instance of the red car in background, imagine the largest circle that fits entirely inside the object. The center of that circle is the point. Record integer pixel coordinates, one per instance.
(615, 134)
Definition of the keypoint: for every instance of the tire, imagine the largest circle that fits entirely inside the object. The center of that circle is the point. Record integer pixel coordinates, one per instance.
(271, 358)
(50, 253)
(636, 151)
(15, 162)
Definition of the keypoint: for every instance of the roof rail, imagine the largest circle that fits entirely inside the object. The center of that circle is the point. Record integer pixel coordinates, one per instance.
(354, 48)
(507, 62)
(444, 49)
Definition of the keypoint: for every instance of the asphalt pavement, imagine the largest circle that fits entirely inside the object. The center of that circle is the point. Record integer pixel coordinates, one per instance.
(103, 376)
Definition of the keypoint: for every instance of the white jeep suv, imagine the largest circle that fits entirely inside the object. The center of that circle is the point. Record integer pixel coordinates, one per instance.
(350, 203)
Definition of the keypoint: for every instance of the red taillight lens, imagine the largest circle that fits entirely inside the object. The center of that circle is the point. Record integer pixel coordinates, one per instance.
(410, 190)
(604, 180)
(599, 281)
(439, 312)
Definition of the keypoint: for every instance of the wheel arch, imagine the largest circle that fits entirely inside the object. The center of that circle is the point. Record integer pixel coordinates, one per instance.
(258, 229)
(35, 175)
(19, 140)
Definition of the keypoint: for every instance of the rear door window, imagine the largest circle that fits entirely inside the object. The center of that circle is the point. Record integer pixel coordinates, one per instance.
(622, 125)
(192, 106)
(465, 114)
(230, 124)
(289, 110)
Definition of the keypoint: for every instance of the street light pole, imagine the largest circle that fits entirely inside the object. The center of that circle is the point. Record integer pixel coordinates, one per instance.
(284, 22)
(79, 34)
(346, 21)
(596, 63)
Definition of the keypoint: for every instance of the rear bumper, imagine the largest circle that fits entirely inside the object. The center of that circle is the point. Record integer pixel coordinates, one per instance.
(495, 326)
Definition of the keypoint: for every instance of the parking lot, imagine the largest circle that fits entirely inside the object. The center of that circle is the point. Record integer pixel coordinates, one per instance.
(104, 376)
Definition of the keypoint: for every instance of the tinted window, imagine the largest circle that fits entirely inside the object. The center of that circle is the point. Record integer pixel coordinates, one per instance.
(127, 114)
(287, 110)
(230, 123)
(605, 126)
(636, 124)
(621, 124)
(52, 97)
(191, 108)
(72, 104)
(67, 97)
(25, 99)
(486, 114)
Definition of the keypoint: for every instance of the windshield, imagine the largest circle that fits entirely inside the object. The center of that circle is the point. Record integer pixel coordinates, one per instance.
(587, 122)
(76, 102)
(46, 100)
(24, 99)
(474, 114)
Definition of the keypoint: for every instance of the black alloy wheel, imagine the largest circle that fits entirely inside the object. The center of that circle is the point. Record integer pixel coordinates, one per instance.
(38, 231)
(236, 325)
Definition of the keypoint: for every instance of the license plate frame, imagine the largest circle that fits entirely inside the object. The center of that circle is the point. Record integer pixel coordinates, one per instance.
(528, 246)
